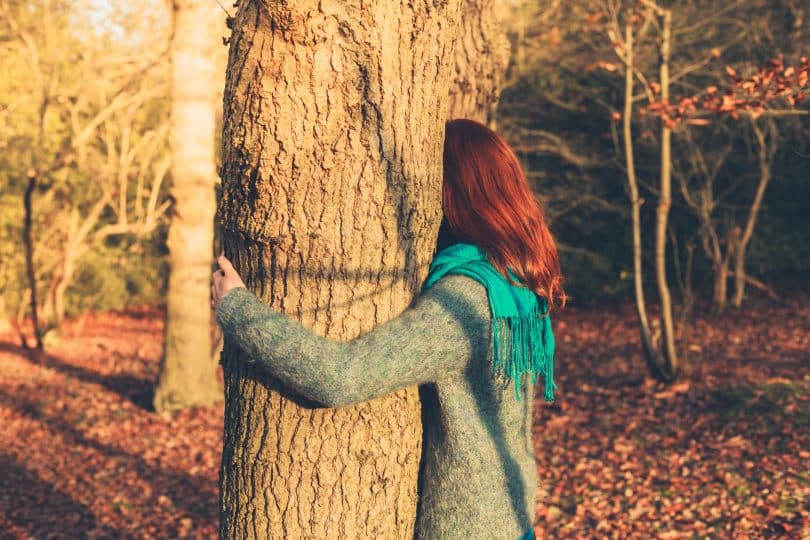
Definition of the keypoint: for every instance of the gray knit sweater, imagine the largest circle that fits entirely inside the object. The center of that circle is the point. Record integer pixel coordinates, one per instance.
(478, 472)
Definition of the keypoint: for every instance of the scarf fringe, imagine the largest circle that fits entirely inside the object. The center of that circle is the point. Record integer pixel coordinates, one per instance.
(522, 341)
(518, 348)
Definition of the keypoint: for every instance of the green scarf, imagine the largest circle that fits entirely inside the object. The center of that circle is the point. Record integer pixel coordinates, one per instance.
(521, 328)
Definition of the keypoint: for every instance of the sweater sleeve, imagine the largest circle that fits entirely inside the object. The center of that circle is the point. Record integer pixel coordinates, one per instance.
(436, 337)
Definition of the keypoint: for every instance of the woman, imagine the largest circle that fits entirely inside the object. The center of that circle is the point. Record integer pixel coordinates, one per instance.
(475, 340)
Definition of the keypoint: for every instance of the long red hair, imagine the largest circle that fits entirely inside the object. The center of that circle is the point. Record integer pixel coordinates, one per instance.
(487, 202)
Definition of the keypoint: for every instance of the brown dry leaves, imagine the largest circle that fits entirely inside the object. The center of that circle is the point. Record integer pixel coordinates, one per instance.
(771, 86)
(723, 453)
(80, 455)
(720, 454)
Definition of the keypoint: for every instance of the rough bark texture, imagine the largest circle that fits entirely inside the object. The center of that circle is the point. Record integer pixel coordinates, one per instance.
(333, 131)
(188, 374)
(481, 57)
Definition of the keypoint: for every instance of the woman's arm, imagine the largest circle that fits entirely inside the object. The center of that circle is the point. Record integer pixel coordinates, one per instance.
(436, 337)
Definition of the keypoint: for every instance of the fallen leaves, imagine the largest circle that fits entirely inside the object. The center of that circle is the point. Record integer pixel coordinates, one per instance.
(83, 458)
(722, 453)
(672, 391)
(719, 454)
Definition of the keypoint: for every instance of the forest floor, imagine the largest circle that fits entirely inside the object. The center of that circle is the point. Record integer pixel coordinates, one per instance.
(722, 453)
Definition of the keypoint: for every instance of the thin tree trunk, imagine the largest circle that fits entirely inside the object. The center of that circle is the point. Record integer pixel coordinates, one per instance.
(6, 322)
(720, 286)
(651, 354)
(662, 212)
(713, 248)
(28, 244)
(188, 375)
(333, 132)
(761, 286)
(48, 309)
(688, 296)
(766, 149)
(60, 290)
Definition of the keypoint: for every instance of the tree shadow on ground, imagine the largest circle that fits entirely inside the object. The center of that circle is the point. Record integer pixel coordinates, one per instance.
(193, 495)
(137, 390)
(25, 509)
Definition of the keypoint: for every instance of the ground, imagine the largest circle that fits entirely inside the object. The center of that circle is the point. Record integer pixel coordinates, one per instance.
(722, 453)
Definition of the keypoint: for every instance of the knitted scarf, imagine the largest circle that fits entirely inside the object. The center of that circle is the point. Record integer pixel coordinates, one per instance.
(521, 328)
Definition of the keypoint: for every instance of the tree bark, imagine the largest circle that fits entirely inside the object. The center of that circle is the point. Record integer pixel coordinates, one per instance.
(188, 374)
(332, 143)
(480, 59)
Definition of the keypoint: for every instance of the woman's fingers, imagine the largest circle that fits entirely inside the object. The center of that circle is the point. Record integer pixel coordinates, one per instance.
(225, 265)
(224, 280)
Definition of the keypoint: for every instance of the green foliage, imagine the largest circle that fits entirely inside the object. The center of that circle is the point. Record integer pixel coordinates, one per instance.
(84, 111)
(113, 279)
(97, 286)
(146, 283)
(772, 400)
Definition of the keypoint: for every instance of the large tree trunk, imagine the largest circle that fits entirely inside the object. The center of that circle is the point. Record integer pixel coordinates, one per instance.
(188, 373)
(332, 143)
(481, 57)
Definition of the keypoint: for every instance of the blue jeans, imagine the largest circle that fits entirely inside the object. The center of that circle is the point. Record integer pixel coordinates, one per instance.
(528, 536)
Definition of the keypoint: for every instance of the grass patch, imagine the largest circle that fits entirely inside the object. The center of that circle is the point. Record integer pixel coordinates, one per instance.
(788, 505)
(774, 400)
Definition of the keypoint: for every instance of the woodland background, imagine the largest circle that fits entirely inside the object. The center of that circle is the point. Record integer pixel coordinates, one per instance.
(89, 104)
(85, 100)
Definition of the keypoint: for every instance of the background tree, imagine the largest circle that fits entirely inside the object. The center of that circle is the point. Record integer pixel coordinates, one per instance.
(661, 358)
(557, 110)
(788, 84)
(188, 372)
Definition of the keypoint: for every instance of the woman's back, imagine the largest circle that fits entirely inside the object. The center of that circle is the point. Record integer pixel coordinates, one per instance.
(478, 473)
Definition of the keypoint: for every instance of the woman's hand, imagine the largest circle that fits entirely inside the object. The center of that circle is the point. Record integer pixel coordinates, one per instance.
(224, 281)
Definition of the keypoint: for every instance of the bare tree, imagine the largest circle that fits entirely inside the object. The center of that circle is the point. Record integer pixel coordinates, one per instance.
(662, 359)
(651, 353)
(766, 147)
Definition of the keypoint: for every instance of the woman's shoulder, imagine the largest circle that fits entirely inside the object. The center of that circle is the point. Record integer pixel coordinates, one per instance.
(461, 294)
